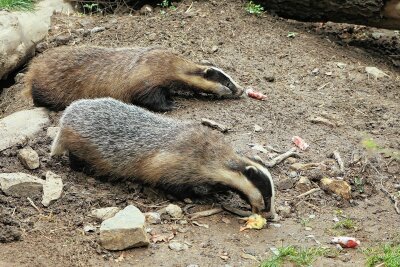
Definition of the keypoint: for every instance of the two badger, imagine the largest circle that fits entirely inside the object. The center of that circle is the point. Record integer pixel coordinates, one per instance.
(124, 141)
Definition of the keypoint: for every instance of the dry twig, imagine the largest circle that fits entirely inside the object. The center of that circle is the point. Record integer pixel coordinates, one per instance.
(33, 204)
(215, 125)
(204, 213)
(309, 192)
(339, 160)
(392, 198)
(279, 159)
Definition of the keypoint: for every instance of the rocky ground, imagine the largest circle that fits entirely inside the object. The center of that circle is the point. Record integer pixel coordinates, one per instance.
(317, 89)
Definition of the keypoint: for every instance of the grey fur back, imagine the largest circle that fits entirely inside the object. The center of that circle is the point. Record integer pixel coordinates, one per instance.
(121, 131)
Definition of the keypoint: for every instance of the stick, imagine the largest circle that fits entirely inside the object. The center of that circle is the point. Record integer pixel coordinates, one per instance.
(239, 212)
(392, 198)
(309, 192)
(280, 158)
(33, 204)
(339, 160)
(205, 213)
(215, 125)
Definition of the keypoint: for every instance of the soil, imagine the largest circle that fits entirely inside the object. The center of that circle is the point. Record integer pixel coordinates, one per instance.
(302, 80)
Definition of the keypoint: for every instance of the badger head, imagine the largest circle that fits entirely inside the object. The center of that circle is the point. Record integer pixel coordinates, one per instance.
(228, 86)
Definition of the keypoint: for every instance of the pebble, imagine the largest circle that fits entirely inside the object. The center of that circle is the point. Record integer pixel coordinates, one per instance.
(284, 211)
(29, 158)
(63, 39)
(153, 217)
(258, 128)
(125, 230)
(21, 126)
(104, 213)
(304, 184)
(52, 188)
(20, 184)
(293, 174)
(177, 246)
(214, 48)
(308, 228)
(285, 184)
(89, 228)
(375, 72)
(174, 211)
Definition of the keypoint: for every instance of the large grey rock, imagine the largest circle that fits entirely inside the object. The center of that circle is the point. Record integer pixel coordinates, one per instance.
(29, 158)
(104, 213)
(20, 31)
(52, 188)
(21, 126)
(124, 230)
(20, 184)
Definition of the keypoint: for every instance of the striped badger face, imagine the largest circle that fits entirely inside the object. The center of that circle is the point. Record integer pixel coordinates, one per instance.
(260, 177)
(228, 87)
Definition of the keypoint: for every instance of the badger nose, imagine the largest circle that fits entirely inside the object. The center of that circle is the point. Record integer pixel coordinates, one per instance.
(239, 91)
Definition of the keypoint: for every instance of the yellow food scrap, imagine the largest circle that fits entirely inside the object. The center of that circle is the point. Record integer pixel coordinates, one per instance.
(254, 221)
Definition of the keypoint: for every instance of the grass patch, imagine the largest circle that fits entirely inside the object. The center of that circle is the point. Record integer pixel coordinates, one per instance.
(388, 254)
(252, 8)
(345, 224)
(297, 256)
(17, 5)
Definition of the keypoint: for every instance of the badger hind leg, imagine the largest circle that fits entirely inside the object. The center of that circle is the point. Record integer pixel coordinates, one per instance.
(156, 99)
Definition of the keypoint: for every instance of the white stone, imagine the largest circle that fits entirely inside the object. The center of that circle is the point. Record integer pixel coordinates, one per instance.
(20, 184)
(375, 72)
(52, 188)
(174, 211)
(258, 128)
(125, 230)
(21, 31)
(29, 158)
(104, 213)
(52, 132)
(152, 217)
(177, 246)
(20, 126)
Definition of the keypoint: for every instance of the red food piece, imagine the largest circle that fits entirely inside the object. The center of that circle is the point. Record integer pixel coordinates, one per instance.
(346, 242)
(254, 94)
(299, 142)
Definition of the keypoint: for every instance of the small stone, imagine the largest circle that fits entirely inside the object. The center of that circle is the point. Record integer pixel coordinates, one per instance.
(19, 77)
(177, 246)
(89, 228)
(269, 78)
(20, 184)
(293, 174)
(276, 225)
(41, 47)
(303, 184)
(20, 126)
(308, 228)
(339, 187)
(174, 211)
(146, 10)
(104, 213)
(291, 160)
(52, 188)
(258, 128)
(315, 71)
(192, 265)
(124, 230)
(188, 201)
(52, 132)
(375, 72)
(29, 158)
(152, 217)
(341, 65)
(214, 48)
(284, 211)
(63, 39)
(311, 216)
(97, 29)
(286, 184)
(377, 35)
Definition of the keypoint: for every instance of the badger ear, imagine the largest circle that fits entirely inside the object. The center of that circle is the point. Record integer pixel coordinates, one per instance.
(250, 171)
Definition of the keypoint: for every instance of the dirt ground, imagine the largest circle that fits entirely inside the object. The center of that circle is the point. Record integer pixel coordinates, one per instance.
(302, 79)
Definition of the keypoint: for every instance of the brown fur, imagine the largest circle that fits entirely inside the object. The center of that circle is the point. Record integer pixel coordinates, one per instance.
(142, 76)
(392, 9)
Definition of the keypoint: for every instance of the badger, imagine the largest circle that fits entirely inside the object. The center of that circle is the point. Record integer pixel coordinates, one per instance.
(123, 141)
(141, 76)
